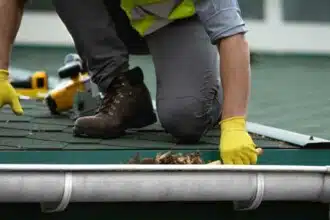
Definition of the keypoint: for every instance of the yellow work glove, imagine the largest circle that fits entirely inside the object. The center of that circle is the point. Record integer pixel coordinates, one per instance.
(8, 94)
(236, 145)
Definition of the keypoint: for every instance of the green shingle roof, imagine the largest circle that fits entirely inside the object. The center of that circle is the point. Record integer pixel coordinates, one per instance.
(38, 130)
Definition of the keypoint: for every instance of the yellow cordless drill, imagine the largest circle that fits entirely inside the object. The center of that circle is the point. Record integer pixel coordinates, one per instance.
(75, 79)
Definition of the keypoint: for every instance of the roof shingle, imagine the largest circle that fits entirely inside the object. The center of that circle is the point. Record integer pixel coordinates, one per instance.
(38, 130)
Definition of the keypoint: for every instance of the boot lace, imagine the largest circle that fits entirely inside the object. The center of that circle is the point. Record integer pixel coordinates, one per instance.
(111, 99)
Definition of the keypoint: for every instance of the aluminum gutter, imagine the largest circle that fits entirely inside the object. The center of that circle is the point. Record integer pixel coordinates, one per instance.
(156, 168)
(56, 185)
(284, 135)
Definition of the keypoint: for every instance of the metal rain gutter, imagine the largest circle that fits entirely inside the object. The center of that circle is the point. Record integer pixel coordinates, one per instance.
(55, 186)
(283, 135)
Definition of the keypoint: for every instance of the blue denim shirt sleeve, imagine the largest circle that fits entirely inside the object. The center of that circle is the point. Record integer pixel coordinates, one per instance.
(221, 18)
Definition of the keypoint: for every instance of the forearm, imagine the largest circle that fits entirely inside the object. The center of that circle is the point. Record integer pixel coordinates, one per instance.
(235, 75)
(10, 18)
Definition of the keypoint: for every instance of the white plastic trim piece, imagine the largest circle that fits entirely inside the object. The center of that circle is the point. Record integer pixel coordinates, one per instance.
(283, 135)
(258, 198)
(67, 192)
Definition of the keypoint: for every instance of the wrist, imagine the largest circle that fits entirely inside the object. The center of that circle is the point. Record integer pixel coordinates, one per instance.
(235, 123)
(4, 74)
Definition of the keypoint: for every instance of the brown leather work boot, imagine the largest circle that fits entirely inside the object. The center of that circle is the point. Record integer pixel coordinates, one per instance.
(127, 104)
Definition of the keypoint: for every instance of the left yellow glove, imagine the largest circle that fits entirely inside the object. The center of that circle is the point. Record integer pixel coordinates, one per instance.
(8, 94)
(236, 145)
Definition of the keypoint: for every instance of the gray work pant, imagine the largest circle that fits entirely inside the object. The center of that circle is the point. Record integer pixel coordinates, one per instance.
(189, 94)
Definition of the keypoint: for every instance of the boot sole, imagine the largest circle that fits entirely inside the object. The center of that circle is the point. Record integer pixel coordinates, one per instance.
(81, 132)
(138, 123)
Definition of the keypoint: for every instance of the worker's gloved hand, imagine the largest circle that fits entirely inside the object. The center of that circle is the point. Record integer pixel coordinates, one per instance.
(236, 145)
(8, 94)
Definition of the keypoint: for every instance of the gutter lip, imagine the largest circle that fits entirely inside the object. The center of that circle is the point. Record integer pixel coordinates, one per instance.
(284, 135)
(159, 168)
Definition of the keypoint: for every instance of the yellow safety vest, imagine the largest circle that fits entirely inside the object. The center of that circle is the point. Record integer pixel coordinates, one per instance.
(146, 16)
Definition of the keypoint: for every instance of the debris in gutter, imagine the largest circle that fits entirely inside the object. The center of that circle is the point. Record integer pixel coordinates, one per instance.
(170, 157)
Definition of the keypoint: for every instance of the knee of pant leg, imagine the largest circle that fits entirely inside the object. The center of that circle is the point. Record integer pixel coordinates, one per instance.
(186, 119)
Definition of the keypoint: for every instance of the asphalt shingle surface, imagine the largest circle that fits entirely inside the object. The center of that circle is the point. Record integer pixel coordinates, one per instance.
(39, 130)
(288, 91)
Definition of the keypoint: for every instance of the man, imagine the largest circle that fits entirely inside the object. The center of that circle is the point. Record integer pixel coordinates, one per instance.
(11, 12)
(190, 100)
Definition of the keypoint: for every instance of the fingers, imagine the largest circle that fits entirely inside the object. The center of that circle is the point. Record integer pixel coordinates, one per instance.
(228, 160)
(245, 159)
(251, 154)
(16, 106)
(260, 151)
(238, 160)
(251, 149)
(253, 158)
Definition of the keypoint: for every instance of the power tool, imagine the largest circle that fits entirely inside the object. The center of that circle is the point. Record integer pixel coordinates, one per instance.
(74, 79)
(85, 104)
(34, 86)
